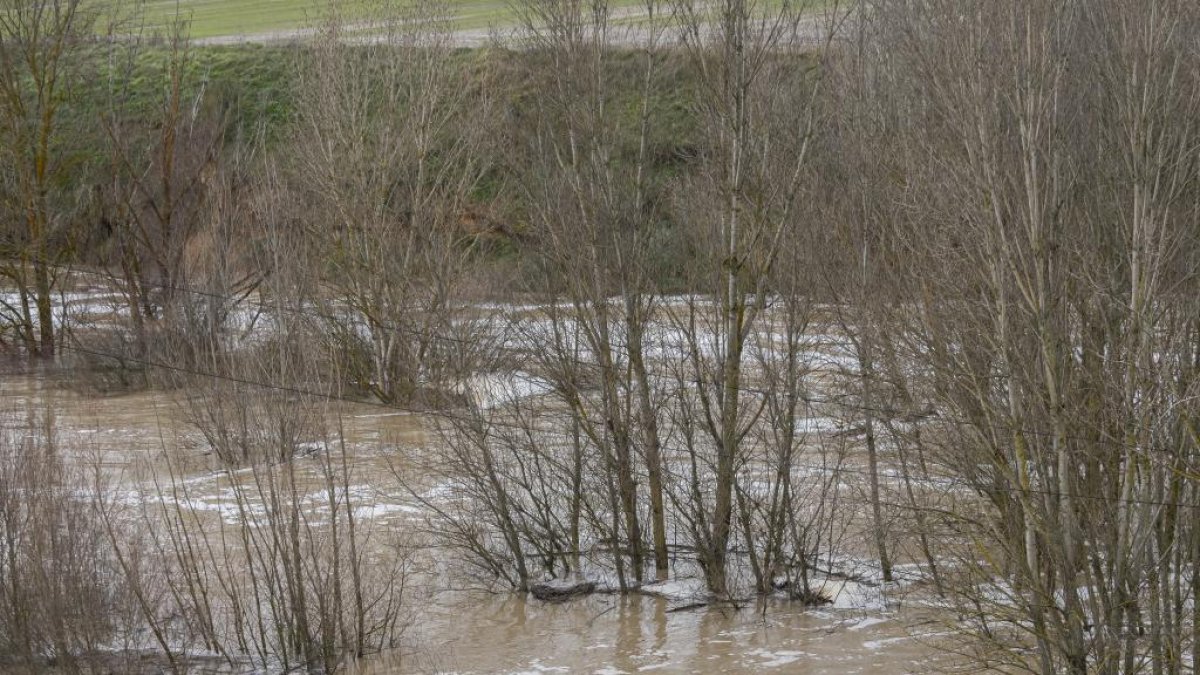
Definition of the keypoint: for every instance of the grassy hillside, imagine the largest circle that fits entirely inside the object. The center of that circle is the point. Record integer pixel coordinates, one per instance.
(251, 91)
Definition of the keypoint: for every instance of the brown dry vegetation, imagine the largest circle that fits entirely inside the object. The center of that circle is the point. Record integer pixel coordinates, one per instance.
(706, 308)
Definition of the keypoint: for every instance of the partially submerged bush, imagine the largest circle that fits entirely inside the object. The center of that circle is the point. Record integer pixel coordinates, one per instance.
(63, 599)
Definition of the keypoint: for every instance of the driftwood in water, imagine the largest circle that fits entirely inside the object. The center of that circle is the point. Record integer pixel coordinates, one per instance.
(557, 591)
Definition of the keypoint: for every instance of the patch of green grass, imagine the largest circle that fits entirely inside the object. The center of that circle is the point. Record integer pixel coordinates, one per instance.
(231, 18)
(217, 18)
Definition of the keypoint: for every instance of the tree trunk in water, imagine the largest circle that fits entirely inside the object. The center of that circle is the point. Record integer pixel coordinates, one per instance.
(653, 449)
(45, 310)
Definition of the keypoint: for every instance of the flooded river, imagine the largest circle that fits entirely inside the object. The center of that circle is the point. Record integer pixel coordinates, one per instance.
(451, 627)
(468, 632)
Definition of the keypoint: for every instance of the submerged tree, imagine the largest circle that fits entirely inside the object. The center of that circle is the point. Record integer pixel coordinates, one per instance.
(1045, 160)
(757, 115)
(42, 45)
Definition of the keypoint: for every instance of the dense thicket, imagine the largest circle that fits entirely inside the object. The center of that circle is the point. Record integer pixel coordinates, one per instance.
(731, 292)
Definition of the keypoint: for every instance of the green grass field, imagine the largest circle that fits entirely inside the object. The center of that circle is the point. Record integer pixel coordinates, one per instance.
(214, 18)
(221, 18)
(232, 18)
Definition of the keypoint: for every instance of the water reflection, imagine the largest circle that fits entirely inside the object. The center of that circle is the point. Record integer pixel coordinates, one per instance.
(484, 633)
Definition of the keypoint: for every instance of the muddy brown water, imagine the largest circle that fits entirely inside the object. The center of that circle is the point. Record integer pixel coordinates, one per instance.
(629, 634)
(465, 631)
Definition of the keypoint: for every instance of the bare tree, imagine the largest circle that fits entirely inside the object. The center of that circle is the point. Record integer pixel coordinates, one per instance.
(742, 204)
(41, 45)
(157, 200)
(389, 148)
(1049, 207)
(593, 204)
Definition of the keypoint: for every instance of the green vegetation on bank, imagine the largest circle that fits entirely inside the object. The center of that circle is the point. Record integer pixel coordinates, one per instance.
(253, 93)
(255, 84)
